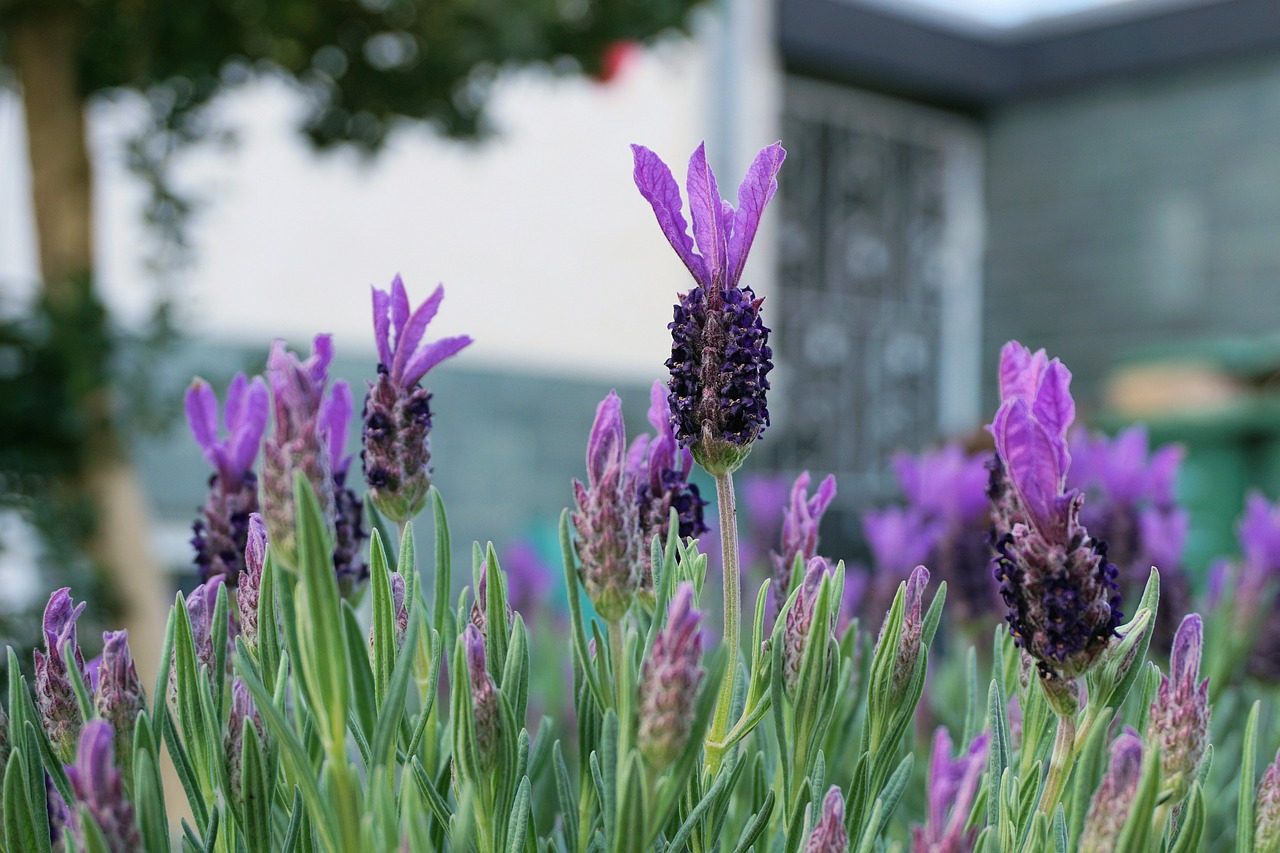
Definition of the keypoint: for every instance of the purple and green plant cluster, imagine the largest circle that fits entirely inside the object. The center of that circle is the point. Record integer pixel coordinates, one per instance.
(326, 687)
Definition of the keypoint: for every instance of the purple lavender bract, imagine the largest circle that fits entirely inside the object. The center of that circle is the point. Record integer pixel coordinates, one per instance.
(669, 682)
(98, 787)
(55, 696)
(828, 834)
(397, 411)
(720, 356)
(952, 788)
(484, 698)
(220, 532)
(799, 627)
(800, 520)
(247, 595)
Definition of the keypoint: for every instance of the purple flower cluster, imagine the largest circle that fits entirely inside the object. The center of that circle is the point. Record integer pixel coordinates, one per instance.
(720, 358)
(247, 594)
(119, 697)
(1061, 592)
(99, 790)
(669, 682)
(799, 626)
(953, 785)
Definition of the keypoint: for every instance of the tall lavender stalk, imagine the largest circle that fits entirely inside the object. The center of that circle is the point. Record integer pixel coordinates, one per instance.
(55, 696)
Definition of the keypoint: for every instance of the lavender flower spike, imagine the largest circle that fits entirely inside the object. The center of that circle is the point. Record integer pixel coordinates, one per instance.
(660, 470)
(1266, 809)
(1179, 716)
(120, 697)
(1111, 803)
(828, 834)
(952, 788)
(348, 508)
(255, 555)
(484, 698)
(397, 411)
(904, 665)
(799, 626)
(719, 352)
(97, 785)
(55, 696)
(219, 534)
(800, 519)
(607, 519)
(1062, 593)
(669, 682)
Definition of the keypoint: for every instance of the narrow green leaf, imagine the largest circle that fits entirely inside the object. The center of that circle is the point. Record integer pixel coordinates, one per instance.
(182, 762)
(434, 801)
(1248, 764)
(22, 827)
(255, 793)
(83, 701)
(756, 826)
(575, 613)
(294, 830)
(518, 824)
(388, 724)
(1193, 822)
(364, 703)
(268, 651)
(384, 619)
(1136, 837)
(998, 757)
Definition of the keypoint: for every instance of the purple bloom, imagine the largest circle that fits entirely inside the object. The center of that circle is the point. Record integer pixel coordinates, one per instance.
(1061, 592)
(98, 788)
(255, 555)
(899, 540)
(607, 519)
(800, 520)
(55, 696)
(484, 697)
(952, 788)
(799, 625)
(242, 708)
(660, 470)
(669, 682)
(397, 411)
(348, 508)
(1179, 716)
(719, 353)
(828, 834)
(219, 534)
(1266, 809)
(1111, 803)
(119, 697)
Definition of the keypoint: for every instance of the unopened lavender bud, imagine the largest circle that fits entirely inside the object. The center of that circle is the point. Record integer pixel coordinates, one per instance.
(55, 696)
(1179, 716)
(247, 593)
(120, 697)
(828, 834)
(904, 665)
(1266, 810)
(98, 788)
(400, 610)
(480, 607)
(242, 708)
(800, 520)
(953, 785)
(669, 682)
(484, 698)
(799, 625)
(1111, 803)
(397, 412)
(720, 356)
(607, 517)
(201, 604)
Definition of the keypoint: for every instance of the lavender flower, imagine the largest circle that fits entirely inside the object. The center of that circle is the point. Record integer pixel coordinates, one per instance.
(1109, 810)
(828, 834)
(247, 595)
(119, 697)
(719, 353)
(660, 470)
(1179, 716)
(97, 785)
(242, 708)
(528, 576)
(484, 698)
(607, 520)
(1255, 581)
(799, 626)
(952, 788)
(800, 520)
(348, 508)
(55, 696)
(1062, 595)
(397, 411)
(669, 682)
(220, 533)
(1266, 810)
(298, 441)
(904, 665)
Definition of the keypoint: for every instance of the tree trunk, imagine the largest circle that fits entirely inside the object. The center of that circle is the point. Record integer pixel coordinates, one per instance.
(45, 42)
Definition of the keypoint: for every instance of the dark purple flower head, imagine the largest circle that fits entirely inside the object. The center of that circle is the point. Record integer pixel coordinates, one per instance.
(669, 682)
(55, 696)
(119, 697)
(1109, 810)
(397, 411)
(801, 518)
(1266, 809)
(484, 697)
(799, 627)
(1179, 716)
(828, 834)
(607, 518)
(242, 708)
(1062, 593)
(719, 354)
(98, 788)
(953, 784)
(255, 555)
(659, 468)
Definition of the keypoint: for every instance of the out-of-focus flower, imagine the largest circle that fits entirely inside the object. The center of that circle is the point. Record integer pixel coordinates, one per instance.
(953, 784)
(221, 530)
(55, 697)
(669, 682)
(720, 356)
(899, 538)
(801, 518)
(397, 411)
(1111, 803)
(1061, 592)
(484, 698)
(119, 697)
(57, 814)
(247, 594)
(99, 790)
(529, 577)
(1179, 716)
(1266, 810)
(348, 508)
(607, 518)
(828, 834)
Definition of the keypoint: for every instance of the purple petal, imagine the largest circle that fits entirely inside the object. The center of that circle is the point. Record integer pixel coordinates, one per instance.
(708, 217)
(1053, 406)
(248, 427)
(659, 408)
(1020, 371)
(235, 398)
(335, 416)
(606, 445)
(658, 187)
(1184, 660)
(826, 493)
(636, 454)
(399, 310)
(382, 325)
(431, 355)
(755, 191)
(1031, 457)
(321, 356)
(202, 416)
(408, 339)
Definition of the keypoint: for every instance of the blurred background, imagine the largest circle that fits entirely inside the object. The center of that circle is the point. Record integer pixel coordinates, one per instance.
(182, 183)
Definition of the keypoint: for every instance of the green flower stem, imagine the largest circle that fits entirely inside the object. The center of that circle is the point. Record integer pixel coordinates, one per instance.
(715, 748)
(615, 658)
(1060, 763)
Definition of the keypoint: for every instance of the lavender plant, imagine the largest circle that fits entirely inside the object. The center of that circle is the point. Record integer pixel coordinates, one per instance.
(296, 721)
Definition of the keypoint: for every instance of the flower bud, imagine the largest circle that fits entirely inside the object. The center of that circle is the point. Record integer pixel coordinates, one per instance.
(800, 520)
(120, 697)
(99, 789)
(400, 609)
(1179, 716)
(484, 698)
(828, 834)
(904, 665)
(55, 697)
(799, 623)
(669, 682)
(1266, 810)
(480, 607)
(247, 593)
(1111, 803)
(242, 708)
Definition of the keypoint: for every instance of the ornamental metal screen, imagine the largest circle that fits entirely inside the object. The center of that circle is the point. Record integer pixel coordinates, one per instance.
(877, 330)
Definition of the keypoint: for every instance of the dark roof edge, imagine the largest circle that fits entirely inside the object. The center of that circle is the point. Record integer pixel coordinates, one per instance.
(869, 46)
